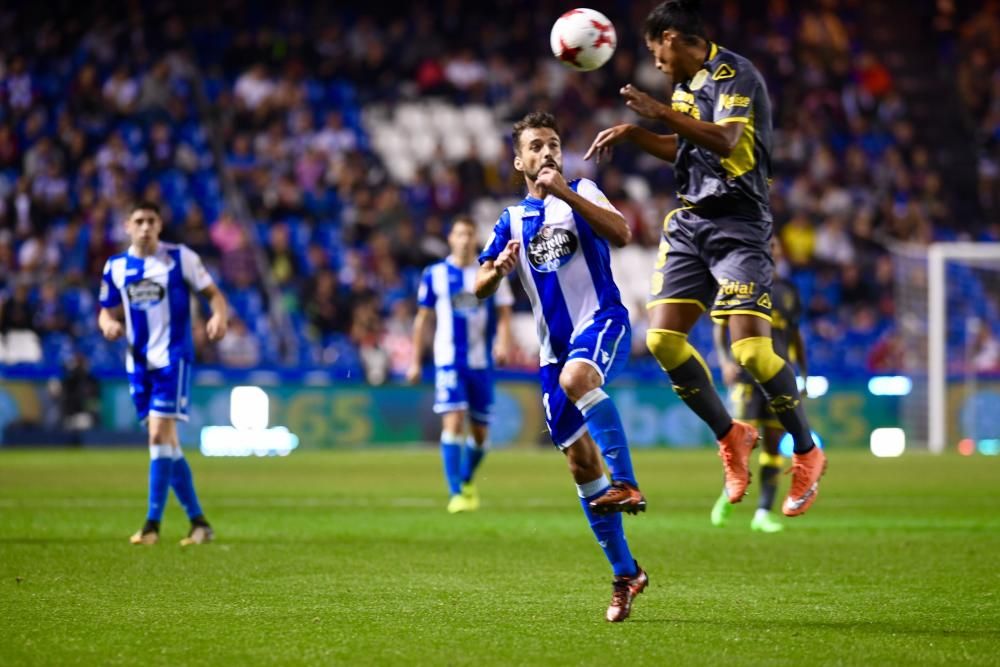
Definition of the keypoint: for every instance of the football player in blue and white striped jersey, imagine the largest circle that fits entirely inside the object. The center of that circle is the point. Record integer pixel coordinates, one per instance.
(465, 331)
(146, 297)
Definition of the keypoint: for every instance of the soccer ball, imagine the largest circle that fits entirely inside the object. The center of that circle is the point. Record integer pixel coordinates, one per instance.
(583, 39)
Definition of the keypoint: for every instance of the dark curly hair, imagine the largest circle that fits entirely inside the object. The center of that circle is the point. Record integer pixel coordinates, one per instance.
(684, 16)
(533, 120)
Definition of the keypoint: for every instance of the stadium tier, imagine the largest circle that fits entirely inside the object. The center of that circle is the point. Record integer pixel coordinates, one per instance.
(316, 156)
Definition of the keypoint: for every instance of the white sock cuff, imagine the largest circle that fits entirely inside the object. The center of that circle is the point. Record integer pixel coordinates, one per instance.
(161, 452)
(452, 438)
(471, 442)
(178, 453)
(590, 399)
(592, 488)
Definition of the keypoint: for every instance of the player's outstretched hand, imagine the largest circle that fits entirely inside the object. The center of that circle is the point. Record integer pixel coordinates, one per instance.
(507, 259)
(413, 374)
(552, 181)
(112, 330)
(640, 102)
(216, 327)
(501, 352)
(601, 148)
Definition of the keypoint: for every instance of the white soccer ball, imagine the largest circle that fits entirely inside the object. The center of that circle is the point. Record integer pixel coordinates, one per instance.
(583, 39)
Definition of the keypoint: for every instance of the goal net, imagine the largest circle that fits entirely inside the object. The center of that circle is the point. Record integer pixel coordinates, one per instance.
(948, 323)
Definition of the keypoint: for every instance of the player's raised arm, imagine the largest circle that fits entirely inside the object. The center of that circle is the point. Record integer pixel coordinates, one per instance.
(720, 138)
(663, 146)
(591, 204)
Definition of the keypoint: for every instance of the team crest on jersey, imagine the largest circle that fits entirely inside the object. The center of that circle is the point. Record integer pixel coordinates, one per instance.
(464, 301)
(144, 294)
(551, 249)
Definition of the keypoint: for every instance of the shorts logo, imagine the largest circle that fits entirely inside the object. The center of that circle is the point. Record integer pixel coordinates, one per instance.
(144, 294)
(764, 301)
(729, 287)
(724, 72)
(551, 249)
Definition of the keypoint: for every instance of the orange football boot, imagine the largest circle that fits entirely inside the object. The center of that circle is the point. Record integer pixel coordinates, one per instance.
(806, 470)
(735, 450)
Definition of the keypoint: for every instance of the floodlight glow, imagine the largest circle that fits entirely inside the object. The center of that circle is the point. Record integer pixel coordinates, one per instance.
(890, 385)
(888, 442)
(966, 446)
(249, 408)
(229, 441)
(990, 446)
(815, 385)
(786, 446)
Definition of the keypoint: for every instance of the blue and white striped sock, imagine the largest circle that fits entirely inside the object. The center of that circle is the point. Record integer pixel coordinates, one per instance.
(473, 457)
(608, 528)
(605, 426)
(182, 483)
(451, 456)
(160, 467)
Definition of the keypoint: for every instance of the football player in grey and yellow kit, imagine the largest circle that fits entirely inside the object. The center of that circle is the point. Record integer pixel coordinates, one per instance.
(748, 402)
(714, 254)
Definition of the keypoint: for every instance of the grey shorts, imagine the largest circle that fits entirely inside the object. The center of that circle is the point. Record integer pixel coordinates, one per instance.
(723, 265)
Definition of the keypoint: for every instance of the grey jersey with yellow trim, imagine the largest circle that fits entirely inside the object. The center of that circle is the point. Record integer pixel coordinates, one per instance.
(728, 89)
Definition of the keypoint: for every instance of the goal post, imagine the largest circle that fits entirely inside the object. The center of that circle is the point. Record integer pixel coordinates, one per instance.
(948, 319)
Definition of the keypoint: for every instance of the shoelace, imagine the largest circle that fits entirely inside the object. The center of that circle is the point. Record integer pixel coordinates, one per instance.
(621, 594)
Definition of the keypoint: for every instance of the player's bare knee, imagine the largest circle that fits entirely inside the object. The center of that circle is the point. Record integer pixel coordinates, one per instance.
(480, 433)
(577, 379)
(453, 422)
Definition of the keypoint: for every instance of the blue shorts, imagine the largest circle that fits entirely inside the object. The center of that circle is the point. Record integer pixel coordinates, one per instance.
(464, 389)
(161, 392)
(605, 345)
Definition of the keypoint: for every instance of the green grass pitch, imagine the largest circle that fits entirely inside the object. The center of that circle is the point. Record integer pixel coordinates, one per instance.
(349, 558)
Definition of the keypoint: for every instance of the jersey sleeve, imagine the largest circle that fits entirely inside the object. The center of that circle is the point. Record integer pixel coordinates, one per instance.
(589, 191)
(109, 297)
(425, 292)
(498, 240)
(504, 295)
(195, 274)
(735, 88)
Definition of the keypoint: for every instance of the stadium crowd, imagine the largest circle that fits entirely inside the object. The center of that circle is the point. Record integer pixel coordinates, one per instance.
(330, 243)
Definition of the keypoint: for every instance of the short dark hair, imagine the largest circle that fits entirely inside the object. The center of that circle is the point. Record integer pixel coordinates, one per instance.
(533, 120)
(684, 16)
(463, 219)
(145, 205)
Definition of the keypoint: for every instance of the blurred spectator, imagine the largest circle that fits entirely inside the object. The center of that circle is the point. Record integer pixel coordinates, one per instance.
(80, 395)
(240, 348)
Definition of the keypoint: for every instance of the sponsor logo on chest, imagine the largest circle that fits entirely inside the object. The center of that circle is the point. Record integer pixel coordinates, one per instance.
(552, 248)
(144, 294)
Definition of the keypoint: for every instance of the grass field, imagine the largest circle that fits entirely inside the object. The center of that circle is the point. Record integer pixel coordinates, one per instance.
(349, 558)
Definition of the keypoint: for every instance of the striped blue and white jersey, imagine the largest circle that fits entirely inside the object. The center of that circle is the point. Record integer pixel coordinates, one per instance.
(564, 265)
(155, 292)
(466, 326)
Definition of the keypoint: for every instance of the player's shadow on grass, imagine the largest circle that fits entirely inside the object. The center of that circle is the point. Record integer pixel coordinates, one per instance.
(43, 541)
(880, 628)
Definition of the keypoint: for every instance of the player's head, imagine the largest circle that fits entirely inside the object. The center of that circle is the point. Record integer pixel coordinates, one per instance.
(462, 238)
(144, 224)
(671, 28)
(536, 144)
